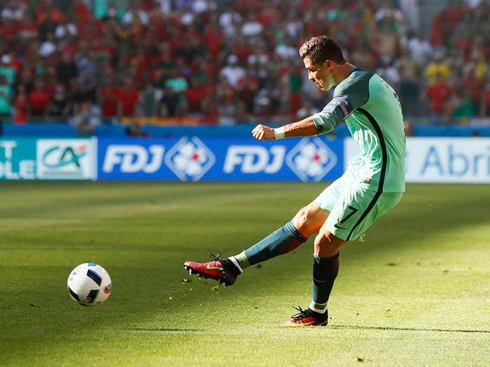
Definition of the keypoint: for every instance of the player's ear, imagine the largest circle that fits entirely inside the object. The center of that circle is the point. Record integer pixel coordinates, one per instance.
(327, 64)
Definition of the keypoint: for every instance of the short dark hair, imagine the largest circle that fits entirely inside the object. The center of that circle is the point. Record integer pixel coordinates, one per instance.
(321, 48)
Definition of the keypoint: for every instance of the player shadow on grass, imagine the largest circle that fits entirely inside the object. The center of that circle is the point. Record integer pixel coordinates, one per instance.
(358, 327)
(183, 330)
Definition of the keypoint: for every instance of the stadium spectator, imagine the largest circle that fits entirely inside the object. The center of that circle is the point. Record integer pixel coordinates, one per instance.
(86, 120)
(420, 47)
(411, 11)
(388, 11)
(410, 70)
(107, 97)
(202, 6)
(65, 29)
(437, 70)
(233, 72)
(47, 17)
(438, 94)
(170, 103)
(6, 97)
(127, 99)
(148, 100)
(225, 95)
(229, 21)
(165, 6)
(247, 90)
(88, 66)
(49, 46)
(59, 106)
(13, 11)
(471, 84)
(214, 38)
(37, 100)
(459, 106)
(136, 15)
(195, 95)
(66, 69)
(251, 28)
(7, 69)
(391, 26)
(20, 116)
(485, 99)
(82, 90)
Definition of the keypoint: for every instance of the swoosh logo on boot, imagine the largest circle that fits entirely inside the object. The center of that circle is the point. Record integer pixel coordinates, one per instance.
(208, 267)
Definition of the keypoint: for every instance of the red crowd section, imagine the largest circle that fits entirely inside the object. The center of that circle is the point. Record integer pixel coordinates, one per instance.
(231, 61)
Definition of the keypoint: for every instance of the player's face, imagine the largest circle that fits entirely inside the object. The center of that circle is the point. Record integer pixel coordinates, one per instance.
(319, 74)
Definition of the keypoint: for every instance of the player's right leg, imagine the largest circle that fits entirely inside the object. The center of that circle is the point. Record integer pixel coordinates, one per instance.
(285, 239)
(307, 221)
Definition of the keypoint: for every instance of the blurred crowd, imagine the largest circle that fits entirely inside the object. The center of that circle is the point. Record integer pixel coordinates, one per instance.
(231, 61)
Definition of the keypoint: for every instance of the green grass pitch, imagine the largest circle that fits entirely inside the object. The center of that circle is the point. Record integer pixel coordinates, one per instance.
(414, 292)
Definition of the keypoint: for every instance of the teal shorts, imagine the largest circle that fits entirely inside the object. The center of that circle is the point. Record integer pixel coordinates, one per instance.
(353, 209)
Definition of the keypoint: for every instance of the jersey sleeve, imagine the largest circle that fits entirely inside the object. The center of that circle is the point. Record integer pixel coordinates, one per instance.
(349, 95)
(337, 110)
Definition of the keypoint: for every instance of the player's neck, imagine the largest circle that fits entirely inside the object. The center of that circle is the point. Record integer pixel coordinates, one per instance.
(343, 72)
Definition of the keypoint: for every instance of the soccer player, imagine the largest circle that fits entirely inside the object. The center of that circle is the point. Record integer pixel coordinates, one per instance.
(372, 185)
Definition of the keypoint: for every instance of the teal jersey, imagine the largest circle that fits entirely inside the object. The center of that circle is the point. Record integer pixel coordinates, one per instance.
(373, 114)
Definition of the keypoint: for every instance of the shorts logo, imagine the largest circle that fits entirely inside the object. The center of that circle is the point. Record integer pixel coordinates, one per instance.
(189, 159)
(311, 159)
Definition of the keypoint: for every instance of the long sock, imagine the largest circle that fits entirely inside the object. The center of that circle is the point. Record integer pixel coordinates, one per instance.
(281, 241)
(325, 270)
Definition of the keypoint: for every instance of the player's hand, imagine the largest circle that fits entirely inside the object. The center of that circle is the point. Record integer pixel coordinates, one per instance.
(262, 132)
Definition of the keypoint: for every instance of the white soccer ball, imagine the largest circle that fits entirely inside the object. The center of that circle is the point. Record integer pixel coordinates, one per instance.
(89, 284)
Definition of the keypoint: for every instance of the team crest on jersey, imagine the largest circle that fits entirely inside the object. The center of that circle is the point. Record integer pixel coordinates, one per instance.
(189, 159)
(311, 159)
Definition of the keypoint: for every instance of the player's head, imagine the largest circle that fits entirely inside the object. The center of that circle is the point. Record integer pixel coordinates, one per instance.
(322, 56)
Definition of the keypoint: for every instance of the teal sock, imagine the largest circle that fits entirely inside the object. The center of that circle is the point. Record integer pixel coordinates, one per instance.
(282, 241)
(325, 270)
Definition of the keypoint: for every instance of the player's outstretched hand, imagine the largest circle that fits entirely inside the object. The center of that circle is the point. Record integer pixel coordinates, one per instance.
(262, 132)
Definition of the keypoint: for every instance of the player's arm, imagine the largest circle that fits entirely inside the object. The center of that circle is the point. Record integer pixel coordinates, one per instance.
(320, 123)
(304, 127)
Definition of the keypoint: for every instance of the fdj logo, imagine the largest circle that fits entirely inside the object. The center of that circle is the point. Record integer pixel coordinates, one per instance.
(133, 158)
(254, 159)
(58, 157)
(311, 159)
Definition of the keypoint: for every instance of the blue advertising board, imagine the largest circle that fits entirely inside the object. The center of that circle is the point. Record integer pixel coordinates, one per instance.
(190, 158)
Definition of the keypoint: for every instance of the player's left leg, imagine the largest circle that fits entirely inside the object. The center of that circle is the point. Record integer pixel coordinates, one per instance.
(325, 271)
(353, 213)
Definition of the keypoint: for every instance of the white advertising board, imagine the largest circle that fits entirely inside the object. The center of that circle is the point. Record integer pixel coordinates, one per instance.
(66, 159)
(442, 160)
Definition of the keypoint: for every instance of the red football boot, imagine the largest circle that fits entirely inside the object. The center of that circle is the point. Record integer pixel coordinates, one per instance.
(307, 317)
(224, 271)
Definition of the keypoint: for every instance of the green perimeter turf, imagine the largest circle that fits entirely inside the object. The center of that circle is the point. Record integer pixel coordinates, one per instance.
(414, 292)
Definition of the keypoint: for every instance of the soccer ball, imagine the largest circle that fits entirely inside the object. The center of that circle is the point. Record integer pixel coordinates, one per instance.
(89, 284)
